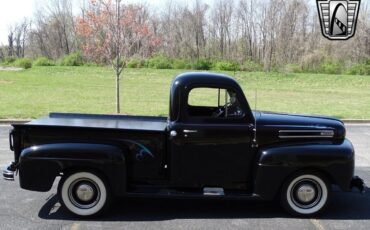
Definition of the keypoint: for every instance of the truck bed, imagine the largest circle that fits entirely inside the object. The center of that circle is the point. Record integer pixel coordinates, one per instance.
(136, 133)
(144, 123)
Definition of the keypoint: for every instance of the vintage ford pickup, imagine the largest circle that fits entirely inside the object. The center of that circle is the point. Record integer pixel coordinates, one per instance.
(212, 145)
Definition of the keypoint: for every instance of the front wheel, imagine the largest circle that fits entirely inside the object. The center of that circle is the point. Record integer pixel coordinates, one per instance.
(84, 193)
(305, 194)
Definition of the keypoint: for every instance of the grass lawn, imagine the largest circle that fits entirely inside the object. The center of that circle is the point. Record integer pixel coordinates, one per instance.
(36, 92)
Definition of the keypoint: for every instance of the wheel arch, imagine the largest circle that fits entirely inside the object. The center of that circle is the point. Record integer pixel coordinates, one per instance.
(74, 169)
(39, 165)
(276, 164)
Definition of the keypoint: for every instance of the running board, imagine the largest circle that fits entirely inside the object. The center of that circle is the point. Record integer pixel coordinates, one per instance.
(208, 191)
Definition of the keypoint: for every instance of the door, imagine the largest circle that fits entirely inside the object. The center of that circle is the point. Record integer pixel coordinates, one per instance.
(212, 146)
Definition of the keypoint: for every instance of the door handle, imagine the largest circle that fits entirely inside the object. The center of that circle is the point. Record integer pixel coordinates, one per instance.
(190, 131)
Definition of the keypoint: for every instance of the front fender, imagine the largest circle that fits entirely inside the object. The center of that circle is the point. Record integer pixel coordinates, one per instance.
(275, 164)
(39, 165)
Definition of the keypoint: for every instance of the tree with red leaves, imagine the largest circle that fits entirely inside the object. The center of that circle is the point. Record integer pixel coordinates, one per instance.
(113, 32)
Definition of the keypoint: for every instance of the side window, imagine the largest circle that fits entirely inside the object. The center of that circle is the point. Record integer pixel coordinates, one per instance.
(205, 97)
(213, 103)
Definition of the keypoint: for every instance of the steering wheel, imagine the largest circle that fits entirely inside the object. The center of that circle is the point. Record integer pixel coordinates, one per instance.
(220, 111)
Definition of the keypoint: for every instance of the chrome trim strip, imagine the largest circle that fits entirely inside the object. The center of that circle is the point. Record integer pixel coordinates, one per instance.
(320, 133)
(305, 136)
(190, 131)
(304, 131)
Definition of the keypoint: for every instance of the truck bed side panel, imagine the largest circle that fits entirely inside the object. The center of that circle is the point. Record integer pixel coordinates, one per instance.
(145, 160)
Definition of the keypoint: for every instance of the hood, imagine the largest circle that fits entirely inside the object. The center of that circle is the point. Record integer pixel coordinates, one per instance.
(279, 127)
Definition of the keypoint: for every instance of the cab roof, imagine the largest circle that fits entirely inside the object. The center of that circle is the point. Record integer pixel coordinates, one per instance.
(204, 78)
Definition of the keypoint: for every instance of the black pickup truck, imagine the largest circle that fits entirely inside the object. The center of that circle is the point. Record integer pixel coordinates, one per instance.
(212, 145)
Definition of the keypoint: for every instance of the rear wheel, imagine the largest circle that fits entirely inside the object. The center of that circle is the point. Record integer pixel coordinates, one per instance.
(305, 194)
(84, 193)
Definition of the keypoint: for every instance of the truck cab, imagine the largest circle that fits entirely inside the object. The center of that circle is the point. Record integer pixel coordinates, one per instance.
(210, 133)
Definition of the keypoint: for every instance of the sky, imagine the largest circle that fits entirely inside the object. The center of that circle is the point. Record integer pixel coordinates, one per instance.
(14, 11)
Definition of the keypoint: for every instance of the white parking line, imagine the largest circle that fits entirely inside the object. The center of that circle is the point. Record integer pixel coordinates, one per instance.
(317, 224)
(75, 226)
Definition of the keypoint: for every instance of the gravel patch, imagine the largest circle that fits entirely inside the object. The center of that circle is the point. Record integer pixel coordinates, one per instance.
(3, 68)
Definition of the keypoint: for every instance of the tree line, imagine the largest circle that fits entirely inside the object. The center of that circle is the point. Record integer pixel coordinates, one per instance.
(273, 34)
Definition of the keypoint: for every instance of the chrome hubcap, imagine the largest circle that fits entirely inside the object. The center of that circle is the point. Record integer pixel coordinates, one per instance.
(85, 192)
(306, 193)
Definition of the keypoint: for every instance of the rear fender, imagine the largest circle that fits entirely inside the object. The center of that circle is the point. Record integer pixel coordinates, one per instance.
(275, 164)
(39, 165)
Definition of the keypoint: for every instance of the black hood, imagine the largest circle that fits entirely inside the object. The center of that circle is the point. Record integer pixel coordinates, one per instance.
(278, 127)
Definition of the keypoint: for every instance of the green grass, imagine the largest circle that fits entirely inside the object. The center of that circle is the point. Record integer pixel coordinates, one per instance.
(37, 91)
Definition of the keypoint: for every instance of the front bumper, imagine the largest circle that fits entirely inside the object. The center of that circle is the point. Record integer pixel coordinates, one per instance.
(9, 171)
(358, 183)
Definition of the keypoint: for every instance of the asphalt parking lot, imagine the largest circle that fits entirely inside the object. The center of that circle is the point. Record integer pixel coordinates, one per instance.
(21, 209)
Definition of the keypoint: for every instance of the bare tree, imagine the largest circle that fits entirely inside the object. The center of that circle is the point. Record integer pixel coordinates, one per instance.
(274, 33)
(10, 42)
(247, 24)
(62, 16)
(2, 56)
(199, 21)
(40, 37)
(222, 18)
(20, 36)
(53, 34)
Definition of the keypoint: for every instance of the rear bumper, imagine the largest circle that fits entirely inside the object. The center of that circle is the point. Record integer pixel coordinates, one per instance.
(358, 183)
(9, 171)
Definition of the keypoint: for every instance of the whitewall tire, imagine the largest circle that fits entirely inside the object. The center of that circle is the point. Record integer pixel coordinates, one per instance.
(84, 193)
(305, 194)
